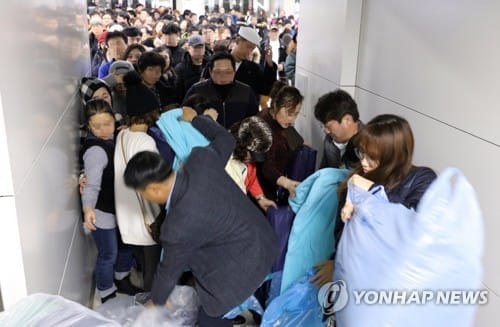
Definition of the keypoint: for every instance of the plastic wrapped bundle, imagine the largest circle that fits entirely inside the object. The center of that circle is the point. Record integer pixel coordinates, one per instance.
(129, 311)
(123, 309)
(51, 310)
(184, 310)
(406, 268)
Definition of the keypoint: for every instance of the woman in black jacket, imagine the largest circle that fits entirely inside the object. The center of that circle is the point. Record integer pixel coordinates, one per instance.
(385, 149)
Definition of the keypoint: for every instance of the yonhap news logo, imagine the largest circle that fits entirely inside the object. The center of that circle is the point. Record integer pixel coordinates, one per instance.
(420, 297)
(333, 297)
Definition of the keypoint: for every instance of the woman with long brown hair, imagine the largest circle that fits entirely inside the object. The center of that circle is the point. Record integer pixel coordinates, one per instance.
(384, 147)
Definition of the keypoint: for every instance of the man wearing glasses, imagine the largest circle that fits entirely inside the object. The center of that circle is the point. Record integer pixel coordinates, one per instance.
(233, 100)
(339, 115)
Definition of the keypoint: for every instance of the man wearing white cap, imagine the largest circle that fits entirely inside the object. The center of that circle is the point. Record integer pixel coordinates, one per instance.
(248, 72)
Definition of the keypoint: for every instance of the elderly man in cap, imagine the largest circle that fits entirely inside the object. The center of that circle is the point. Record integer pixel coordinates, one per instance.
(189, 70)
(248, 72)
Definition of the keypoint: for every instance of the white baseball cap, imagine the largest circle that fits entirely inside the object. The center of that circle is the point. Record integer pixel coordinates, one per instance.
(250, 35)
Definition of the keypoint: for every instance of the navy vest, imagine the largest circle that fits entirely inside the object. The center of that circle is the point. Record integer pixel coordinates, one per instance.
(106, 198)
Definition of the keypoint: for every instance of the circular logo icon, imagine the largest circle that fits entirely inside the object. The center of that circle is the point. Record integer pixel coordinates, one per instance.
(333, 297)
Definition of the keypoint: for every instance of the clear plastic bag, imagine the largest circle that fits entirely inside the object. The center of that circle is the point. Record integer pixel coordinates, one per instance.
(183, 312)
(130, 311)
(122, 309)
(52, 310)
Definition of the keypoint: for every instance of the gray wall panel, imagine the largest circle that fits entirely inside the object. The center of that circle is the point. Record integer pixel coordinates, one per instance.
(46, 53)
(437, 57)
(433, 62)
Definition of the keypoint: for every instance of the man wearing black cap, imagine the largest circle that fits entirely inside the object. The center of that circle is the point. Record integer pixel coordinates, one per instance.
(189, 70)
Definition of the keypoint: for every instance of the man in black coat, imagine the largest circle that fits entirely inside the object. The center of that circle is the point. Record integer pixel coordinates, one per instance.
(211, 227)
(233, 100)
(189, 70)
(170, 37)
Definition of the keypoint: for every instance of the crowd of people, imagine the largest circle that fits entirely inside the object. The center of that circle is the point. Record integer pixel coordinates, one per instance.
(189, 120)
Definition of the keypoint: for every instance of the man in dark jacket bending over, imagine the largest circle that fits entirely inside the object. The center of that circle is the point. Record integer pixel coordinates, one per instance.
(211, 227)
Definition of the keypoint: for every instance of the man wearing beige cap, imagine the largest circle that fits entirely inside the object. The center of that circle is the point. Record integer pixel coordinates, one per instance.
(248, 72)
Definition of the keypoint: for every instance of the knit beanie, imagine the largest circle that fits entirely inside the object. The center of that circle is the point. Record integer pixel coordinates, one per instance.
(88, 87)
(255, 135)
(140, 100)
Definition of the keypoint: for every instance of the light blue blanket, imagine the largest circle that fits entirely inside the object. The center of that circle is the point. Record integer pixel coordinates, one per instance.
(180, 135)
(311, 239)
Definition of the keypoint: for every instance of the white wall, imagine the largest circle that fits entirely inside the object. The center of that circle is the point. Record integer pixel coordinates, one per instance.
(433, 62)
(42, 247)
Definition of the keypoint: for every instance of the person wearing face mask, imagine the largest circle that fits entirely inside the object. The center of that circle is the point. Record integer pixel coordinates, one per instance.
(232, 100)
(338, 113)
(385, 151)
(253, 139)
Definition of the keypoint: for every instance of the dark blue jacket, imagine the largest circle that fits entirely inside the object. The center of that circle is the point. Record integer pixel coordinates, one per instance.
(412, 187)
(214, 229)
